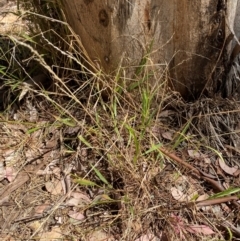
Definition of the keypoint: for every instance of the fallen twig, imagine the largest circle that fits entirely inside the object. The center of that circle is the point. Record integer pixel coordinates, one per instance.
(216, 185)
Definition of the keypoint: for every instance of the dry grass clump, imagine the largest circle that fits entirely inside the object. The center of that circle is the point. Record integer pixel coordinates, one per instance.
(132, 165)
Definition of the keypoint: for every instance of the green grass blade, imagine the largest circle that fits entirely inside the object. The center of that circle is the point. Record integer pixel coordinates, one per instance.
(153, 148)
(225, 193)
(132, 133)
(82, 139)
(67, 122)
(181, 135)
(32, 130)
(101, 177)
(85, 182)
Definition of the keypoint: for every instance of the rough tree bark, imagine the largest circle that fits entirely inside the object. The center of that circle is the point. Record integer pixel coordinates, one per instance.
(187, 36)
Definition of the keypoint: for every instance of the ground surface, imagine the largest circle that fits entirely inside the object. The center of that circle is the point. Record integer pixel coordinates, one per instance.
(75, 166)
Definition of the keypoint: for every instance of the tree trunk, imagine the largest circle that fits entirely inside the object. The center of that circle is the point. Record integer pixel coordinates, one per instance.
(186, 36)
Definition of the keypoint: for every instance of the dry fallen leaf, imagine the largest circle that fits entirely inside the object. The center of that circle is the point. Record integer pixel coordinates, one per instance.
(33, 113)
(199, 229)
(50, 171)
(41, 208)
(180, 227)
(164, 113)
(178, 195)
(10, 173)
(147, 237)
(207, 160)
(78, 199)
(202, 197)
(11, 187)
(21, 178)
(11, 157)
(76, 215)
(168, 135)
(54, 234)
(194, 154)
(99, 235)
(226, 168)
(54, 187)
(35, 225)
(184, 188)
(235, 174)
(7, 237)
(199, 156)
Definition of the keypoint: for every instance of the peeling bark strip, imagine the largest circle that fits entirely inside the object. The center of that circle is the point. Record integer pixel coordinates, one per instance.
(123, 13)
(187, 36)
(147, 19)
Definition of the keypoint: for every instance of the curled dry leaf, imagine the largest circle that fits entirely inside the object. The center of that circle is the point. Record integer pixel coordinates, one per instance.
(226, 168)
(25, 88)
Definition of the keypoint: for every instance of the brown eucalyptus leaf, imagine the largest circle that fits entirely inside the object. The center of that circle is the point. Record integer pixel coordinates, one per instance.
(226, 168)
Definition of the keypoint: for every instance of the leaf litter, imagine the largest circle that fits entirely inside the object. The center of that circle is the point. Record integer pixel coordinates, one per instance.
(48, 170)
(62, 178)
(229, 170)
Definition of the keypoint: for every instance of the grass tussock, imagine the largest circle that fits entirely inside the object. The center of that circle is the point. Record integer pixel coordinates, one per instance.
(104, 158)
